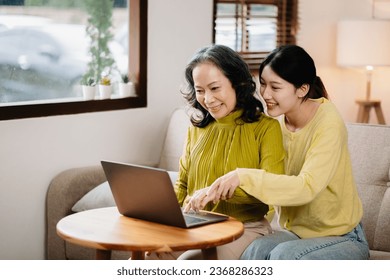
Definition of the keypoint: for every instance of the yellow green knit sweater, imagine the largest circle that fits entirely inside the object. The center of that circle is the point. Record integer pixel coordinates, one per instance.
(223, 146)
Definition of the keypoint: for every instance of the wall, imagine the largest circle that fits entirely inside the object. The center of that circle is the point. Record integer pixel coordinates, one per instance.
(33, 151)
(317, 35)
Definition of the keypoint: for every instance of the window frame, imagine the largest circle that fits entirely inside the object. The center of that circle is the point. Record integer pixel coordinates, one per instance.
(137, 65)
(287, 26)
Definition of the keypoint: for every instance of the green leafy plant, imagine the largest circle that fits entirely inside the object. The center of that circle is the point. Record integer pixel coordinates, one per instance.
(88, 81)
(125, 78)
(99, 32)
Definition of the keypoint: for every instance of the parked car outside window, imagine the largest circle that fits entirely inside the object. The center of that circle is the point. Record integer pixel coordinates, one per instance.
(46, 61)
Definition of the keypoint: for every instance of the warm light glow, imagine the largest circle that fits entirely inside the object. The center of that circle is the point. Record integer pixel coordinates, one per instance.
(363, 42)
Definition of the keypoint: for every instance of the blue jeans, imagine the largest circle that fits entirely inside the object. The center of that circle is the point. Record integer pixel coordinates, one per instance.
(285, 245)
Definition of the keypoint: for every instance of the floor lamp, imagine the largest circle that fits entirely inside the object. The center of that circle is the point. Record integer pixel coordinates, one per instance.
(364, 44)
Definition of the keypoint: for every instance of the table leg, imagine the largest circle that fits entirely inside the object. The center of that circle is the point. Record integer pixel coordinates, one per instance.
(137, 255)
(210, 253)
(103, 254)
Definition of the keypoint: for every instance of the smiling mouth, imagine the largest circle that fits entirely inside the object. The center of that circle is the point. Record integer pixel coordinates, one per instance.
(271, 105)
(214, 108)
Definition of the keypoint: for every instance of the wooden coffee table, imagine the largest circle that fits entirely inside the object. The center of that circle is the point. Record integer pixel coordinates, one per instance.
(104, 229)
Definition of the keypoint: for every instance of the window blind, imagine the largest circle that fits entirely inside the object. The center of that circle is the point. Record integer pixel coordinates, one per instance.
(255, 27)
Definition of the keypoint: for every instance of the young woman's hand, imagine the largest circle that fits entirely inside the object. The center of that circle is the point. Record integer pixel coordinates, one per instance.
(223, 188)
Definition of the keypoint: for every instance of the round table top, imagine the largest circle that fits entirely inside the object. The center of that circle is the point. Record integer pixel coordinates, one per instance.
(107, 229)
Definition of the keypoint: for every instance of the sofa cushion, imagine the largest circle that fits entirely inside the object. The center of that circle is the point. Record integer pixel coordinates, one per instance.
(388, 183)
(379, 255)
(101, 196)
(370, 155)
(372, 200)
(381, 240)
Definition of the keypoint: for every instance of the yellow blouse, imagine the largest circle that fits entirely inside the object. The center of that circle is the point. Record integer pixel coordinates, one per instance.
(223, 146)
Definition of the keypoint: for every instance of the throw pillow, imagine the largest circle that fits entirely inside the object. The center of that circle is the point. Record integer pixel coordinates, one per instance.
(101, 196)
(98, 197)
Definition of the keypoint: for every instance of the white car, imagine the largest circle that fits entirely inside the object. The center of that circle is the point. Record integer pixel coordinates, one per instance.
(46, 61)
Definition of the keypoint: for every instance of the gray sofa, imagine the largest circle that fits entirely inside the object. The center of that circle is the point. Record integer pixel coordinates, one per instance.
(370, 152)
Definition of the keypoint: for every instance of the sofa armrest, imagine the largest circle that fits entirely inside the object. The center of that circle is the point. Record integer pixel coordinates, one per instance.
(63, 192)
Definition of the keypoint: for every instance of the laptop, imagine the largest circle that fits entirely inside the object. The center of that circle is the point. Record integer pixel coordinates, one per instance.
(147, 193)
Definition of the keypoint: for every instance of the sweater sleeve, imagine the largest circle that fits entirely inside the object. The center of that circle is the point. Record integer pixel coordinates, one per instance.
(271, 149)
(318, 168)
(181, 182)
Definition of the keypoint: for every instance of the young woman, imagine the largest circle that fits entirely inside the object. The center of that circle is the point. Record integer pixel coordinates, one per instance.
(317, 202)
(229, 131)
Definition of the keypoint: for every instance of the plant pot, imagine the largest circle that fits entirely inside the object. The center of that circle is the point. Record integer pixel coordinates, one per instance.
(89, 92)
(126, 90)
(105, 91)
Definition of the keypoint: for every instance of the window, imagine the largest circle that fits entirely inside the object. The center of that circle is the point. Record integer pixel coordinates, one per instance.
(255, 27)
(53, 99)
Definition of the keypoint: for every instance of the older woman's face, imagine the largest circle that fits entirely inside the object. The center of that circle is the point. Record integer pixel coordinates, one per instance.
(214, 91)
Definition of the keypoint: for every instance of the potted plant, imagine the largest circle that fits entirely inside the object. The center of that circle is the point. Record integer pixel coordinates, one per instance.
(88, 85)
(105, 87)
(126, 87)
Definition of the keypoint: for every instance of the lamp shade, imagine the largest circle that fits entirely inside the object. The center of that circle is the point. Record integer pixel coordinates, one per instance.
(362, 43)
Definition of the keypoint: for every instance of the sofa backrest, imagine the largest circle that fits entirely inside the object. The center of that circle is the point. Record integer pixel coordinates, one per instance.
(174, 140)
(369, 146)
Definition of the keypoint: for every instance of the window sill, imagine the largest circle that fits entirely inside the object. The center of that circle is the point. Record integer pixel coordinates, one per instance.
(65, 107)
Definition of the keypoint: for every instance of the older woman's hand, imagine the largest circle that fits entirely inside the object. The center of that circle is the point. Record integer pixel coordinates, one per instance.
(198, 200)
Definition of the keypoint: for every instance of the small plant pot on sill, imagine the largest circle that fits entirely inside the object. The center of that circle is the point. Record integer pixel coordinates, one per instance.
(126, 89)
(89, 92)
(105, 91)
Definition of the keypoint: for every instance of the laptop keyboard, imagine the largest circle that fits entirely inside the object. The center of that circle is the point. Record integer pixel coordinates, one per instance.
(192, 219)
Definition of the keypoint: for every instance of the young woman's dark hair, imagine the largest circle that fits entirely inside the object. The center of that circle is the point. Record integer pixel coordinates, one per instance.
(236, 70)
(294, 65)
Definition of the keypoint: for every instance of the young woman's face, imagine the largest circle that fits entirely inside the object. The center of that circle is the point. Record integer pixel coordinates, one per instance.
(214, 91)
(280, 96)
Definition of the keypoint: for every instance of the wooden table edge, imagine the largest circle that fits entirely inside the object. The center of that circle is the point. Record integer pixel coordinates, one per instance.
(104, 251)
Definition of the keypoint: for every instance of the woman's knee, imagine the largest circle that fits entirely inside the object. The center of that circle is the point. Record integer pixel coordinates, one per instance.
(260, 248)
(284, 251)
(256, 250)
